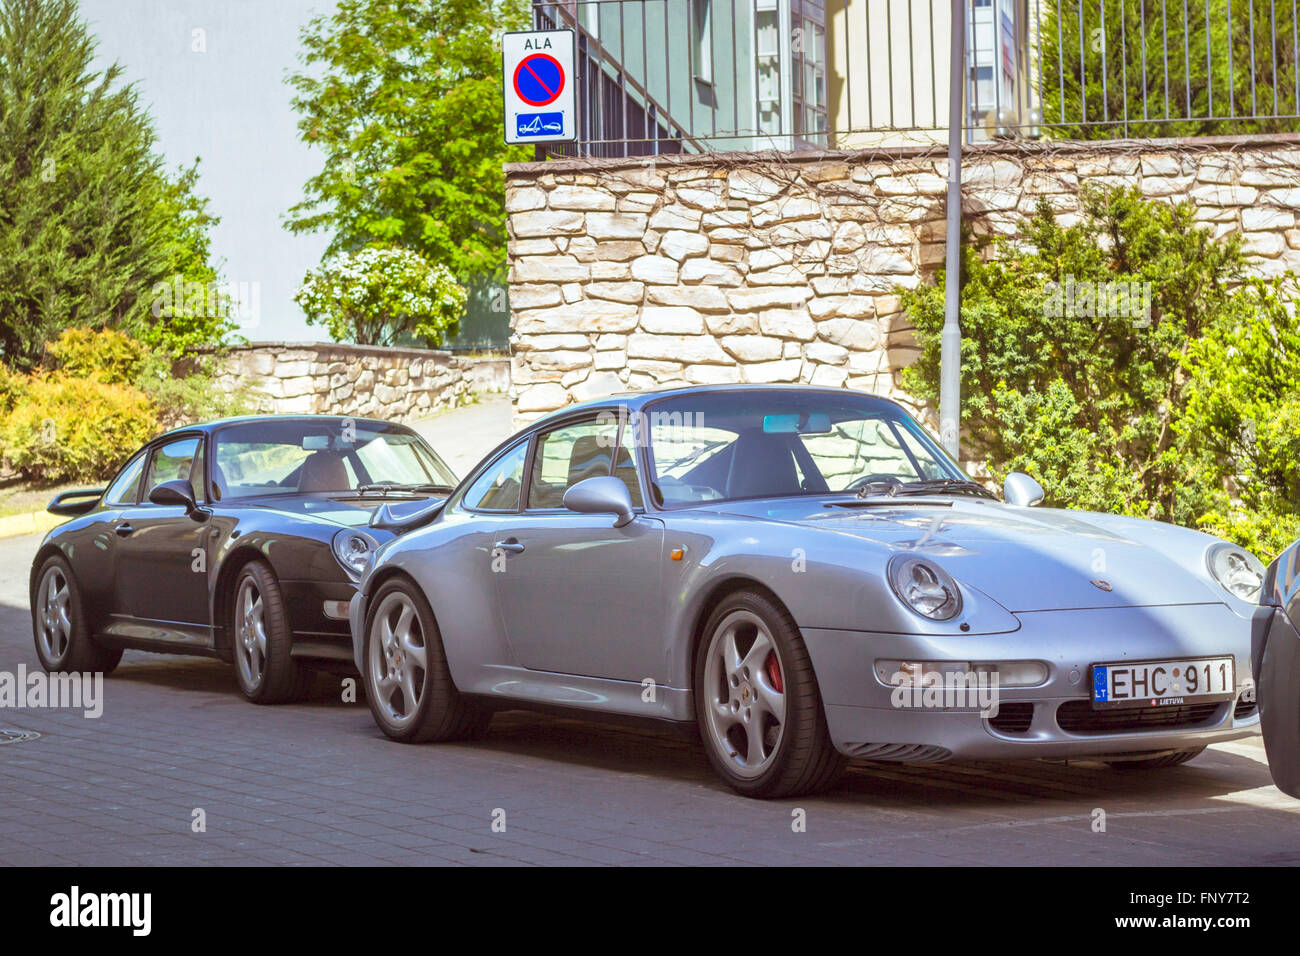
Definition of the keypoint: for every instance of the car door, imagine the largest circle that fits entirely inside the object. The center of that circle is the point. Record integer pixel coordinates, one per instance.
(161, 580)
(577, 595)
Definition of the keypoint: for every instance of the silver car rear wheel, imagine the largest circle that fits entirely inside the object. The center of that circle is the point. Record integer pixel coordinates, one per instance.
(408, 681)
(398, 659)
(745, 713)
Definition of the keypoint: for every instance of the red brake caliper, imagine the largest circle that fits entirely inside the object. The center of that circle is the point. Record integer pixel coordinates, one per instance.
(774, 673)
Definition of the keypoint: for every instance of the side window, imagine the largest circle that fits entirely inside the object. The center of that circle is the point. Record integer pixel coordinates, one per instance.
(568, 455)
(126, 487)
(497, 489)
(173, 461)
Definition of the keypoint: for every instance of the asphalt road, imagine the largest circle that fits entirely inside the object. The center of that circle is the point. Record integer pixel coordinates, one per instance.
(316, 783)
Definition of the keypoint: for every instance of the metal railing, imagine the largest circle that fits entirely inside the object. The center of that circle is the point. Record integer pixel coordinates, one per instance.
(668, 76)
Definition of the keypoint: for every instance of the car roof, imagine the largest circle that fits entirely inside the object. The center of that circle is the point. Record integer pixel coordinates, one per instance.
(250, 419)
(635, 401)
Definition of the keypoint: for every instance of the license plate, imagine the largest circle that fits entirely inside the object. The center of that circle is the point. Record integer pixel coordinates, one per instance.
(1163, 683)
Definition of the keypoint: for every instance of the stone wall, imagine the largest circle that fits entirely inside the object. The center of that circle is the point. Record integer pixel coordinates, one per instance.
(394, 384)
(634, 274)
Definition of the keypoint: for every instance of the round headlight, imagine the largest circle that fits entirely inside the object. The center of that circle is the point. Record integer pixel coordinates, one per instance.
(1237, 570)
(924, 587)
(354, 550)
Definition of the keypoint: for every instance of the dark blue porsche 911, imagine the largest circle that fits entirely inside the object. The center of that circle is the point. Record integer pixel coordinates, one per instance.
(240, 539)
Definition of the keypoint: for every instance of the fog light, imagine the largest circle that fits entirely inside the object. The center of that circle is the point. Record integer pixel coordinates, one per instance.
(337, 610)
(914, 673)
(1016, 673)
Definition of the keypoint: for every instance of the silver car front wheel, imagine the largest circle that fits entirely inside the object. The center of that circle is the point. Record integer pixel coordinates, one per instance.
(746, 693)
(757, 702)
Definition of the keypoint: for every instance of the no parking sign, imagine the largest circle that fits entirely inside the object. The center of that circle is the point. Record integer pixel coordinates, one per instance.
(537, 82)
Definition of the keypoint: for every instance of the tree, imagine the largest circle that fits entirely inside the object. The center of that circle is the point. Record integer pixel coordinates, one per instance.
(89, 219)
(1071, 353)
(1244, 405)
(377, 295)
(1121, 66)
(404, 98)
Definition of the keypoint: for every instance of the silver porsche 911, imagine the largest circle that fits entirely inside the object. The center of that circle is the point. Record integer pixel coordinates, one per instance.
(805, 576)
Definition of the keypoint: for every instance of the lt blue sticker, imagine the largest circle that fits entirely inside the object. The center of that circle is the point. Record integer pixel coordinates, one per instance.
(539, 124)
(1100, 686)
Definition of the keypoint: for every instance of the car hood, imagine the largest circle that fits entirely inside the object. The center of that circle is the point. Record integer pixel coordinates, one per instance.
(1026, 559)
(345, 511)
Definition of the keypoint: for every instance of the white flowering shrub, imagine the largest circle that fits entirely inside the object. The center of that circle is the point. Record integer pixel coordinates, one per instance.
(373, 295)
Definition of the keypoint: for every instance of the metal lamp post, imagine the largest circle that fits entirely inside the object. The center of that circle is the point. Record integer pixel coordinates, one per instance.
(950, 339)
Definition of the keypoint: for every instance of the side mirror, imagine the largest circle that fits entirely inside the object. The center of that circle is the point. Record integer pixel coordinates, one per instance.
(176, 492)
(606, 495)
(69, 504)
(1020, 489)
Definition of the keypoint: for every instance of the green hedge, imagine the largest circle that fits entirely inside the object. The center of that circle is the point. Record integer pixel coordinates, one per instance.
(75, 429)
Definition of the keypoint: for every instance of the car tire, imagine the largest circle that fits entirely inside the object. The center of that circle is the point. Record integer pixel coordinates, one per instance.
(1157, 763)
(262, 640)
(408, 684)
(59, 627)
(770, 706)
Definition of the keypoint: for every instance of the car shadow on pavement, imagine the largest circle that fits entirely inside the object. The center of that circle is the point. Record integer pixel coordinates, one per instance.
(650, 752)
(206, 675)
(664, 754)
(186, 674)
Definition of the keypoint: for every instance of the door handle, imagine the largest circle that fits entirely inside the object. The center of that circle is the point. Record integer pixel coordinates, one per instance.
(509, 545)
(123, 530)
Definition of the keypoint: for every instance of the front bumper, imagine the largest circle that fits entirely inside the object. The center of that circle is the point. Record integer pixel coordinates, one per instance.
(865, 721)
(316, 634)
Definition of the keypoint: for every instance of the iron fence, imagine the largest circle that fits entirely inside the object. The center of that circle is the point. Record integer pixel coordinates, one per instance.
(669, 76)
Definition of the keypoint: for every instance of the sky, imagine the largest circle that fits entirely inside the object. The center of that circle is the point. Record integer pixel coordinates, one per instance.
(211, 74)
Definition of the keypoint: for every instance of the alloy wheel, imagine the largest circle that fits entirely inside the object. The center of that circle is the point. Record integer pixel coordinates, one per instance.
(250, 633)
(398, 658)
(56, 614)
(745, 688)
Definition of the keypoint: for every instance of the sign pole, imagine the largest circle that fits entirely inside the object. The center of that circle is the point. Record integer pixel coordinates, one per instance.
(950, 339)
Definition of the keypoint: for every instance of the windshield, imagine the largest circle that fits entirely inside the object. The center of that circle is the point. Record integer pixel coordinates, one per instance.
(322, 456)
(721, 446)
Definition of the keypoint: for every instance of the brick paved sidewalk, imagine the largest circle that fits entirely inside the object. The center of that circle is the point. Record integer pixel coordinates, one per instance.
(316, 783)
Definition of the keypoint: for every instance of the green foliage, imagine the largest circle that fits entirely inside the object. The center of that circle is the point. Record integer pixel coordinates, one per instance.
(74, 429)
(1244, 406)
(12, 388)
(89, 219)
(403, 97)
(186, 391)
(1210, 60)
(175, 328)
(376, 295)
(103, 355)
(183, 391)
(1077, 388)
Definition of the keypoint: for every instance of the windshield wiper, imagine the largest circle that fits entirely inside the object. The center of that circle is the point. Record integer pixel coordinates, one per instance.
(387, 486)
(952, 486)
